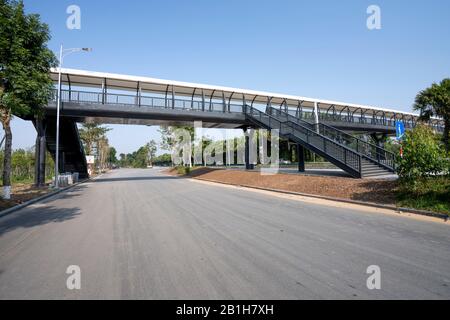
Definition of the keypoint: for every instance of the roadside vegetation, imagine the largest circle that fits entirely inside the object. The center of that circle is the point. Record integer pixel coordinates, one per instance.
(25, 62)
(22, 176)
(431, 193)
(424, 171)
(144, 157)
(22, 166)
(95, 142)
(424, 168)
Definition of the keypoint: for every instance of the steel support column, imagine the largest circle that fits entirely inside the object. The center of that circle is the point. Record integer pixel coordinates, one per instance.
(301, 158)
(248, 165)
(173, 98)
(104, 91)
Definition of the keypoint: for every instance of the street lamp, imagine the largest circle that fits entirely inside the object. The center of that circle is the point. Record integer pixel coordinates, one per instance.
(62, 54)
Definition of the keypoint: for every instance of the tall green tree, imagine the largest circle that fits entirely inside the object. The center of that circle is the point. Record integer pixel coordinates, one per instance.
(91, 134)
(151, 151)
(25, 62)
(112, 156)
(435, 101)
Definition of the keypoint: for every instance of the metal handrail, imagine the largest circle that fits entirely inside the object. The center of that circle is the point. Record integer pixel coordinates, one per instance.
(118, 98)
(144, 101)
(349, 157)
(361, 146)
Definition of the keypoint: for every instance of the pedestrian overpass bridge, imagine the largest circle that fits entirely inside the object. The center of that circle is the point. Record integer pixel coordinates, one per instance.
(322, 126)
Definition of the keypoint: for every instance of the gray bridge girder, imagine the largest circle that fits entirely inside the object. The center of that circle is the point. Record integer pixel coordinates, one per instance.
(142, 115)
(130, 114)
(361, 127)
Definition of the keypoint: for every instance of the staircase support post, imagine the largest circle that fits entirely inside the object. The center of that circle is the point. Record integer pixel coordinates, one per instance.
(316, 116)
(301, 158)
(40, 154)
(248, 165)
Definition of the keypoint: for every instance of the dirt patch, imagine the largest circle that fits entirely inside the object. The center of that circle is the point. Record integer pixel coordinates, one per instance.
(21, 193)
(376, 191)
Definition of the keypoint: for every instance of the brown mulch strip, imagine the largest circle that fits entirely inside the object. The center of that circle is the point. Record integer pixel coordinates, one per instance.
(375, 191)
(21, 193)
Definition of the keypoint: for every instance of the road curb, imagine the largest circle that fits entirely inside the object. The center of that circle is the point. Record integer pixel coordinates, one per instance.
(8, 211)
(369, 204)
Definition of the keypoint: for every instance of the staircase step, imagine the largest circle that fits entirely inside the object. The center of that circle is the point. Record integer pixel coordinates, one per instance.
(376, 175)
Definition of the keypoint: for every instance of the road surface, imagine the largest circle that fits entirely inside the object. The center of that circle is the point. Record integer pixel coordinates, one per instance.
(139, 234)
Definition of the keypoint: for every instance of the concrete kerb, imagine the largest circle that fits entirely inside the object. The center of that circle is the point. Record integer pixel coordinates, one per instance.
(43, 197)
(369, 204)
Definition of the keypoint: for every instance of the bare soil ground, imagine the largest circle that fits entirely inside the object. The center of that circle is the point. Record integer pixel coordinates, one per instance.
(375, 191)
(21, 193)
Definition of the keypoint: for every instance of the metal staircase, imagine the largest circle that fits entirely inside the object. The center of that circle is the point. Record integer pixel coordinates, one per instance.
(354, 156)
(72, 157)
(376, 161)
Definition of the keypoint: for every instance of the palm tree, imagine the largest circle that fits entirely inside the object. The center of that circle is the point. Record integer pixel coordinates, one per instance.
(435, 102)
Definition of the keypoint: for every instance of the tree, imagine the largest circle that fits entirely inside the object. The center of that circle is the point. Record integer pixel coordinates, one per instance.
(25, 62)
(423, 154)
(112, 156)
(164, 160)
(123, 160)
(167, 135)
(91, 134)
(139, 159)
(435, 101)
(102, 152)
(151, 151)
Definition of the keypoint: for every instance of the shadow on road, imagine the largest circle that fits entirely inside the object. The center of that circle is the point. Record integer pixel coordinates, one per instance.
(37, 217)
(135, 179)
(40, 215)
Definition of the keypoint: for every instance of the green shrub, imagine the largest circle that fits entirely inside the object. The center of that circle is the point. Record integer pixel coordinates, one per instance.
(182, 170)
(423, 155)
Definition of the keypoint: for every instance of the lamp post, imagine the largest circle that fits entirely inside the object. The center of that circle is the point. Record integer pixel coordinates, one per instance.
(62, 53)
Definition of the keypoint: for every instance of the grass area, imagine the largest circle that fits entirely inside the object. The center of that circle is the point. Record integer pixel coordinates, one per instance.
(427, 194)
(27, 180)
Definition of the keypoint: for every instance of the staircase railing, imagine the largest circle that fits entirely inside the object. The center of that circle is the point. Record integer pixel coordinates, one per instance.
(371, 151)
(329, 148)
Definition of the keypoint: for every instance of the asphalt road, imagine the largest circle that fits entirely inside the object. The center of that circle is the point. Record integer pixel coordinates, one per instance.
(139, 234)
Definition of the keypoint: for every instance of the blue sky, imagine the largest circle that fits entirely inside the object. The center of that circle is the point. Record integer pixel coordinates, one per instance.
(319, 49)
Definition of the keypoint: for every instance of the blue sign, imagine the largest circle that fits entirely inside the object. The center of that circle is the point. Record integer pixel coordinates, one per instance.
(399, 129)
